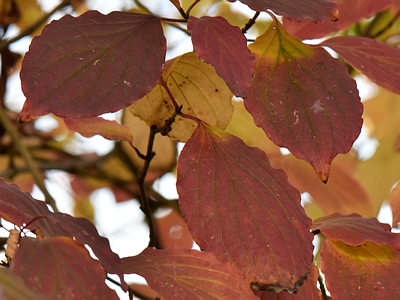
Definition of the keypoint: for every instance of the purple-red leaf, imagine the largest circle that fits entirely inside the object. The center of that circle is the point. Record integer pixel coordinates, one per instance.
(20, 208)
(315, 10)
(303, 99)
(92, 64)
(178, 273)
(108, 129)
(350, 12)
(378, 61)
(225, 47)
(60, 268)
(244, 211)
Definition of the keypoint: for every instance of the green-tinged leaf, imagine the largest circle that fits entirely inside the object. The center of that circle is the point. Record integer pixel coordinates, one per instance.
(367, 271)
(355, 230)
(225, 47)
(244, 211)
(378, 61)
(197, 87)
(60, 268)
(350, 12)
(303, 99)
(13, 288)
(316, 10)
(108, 129)
(308, 291)
(92, 64)
(178, 273)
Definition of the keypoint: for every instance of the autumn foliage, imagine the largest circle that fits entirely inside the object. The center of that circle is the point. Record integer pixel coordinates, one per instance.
(270, 223)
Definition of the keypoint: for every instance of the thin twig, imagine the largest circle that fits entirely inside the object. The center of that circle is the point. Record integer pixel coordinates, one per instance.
(4, 44)
(191, 7)
(19, 146)
(322, 288)
(144, 199)
(251, 22)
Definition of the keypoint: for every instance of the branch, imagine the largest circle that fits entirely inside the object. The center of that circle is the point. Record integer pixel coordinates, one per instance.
(4, 44)
(19, 146)
(251, 22)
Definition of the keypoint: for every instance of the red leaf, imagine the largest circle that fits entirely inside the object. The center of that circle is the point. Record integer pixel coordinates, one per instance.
(225, 47)
(20, 208)
(316, 10)
(350, 12)
(178, 273)
(92, 64)
(108, 129)
(303, 99)
(378, 61)
(13, 288)
(60, 268)
(369, 271)
(308, 291)
(355, 230)
(243, 211)
(85, 232)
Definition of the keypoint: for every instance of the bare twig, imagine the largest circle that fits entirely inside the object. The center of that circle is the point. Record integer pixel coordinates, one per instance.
(4, 44)
(251, 22)
(191, 7)
(19, 146)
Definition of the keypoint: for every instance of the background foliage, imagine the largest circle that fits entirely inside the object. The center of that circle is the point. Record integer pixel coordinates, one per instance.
(272, 186)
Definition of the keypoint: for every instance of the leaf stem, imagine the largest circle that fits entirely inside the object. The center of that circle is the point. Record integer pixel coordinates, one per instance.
(165, 85)
(251, 22)
(4, 44)
(191, 7)
(19, 146)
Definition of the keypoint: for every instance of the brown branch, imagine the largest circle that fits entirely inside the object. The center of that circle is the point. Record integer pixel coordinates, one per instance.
(251, 22)
(21, 148)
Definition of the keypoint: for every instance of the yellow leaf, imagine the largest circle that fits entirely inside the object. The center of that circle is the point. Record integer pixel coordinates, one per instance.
(195, 85)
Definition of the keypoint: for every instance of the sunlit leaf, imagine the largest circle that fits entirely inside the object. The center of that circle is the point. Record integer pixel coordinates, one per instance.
(108, 129)
(303, 99)
(367, 271)
(92, 64)
(343, 193)
(379, 173)
(308, 291)
(60, 268)
(243, 211)
(225, 47)
(355, 230)
(197, 87)
(316, 10)
(188, 273)
(378, 61)
(350, 12)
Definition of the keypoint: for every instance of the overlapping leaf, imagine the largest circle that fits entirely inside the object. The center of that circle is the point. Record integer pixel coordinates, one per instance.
(315, 10)
(225, 47)
(60, 268)
(243, 211)
(355, 230)
(88, 65)
(308, 291)
(13, 288)
(303, 99)
(196, 86)
(188, 274)
(360, 257)
(19, 207)
(378, 61)
(108, 129)
(368, 271)
(350, 12)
